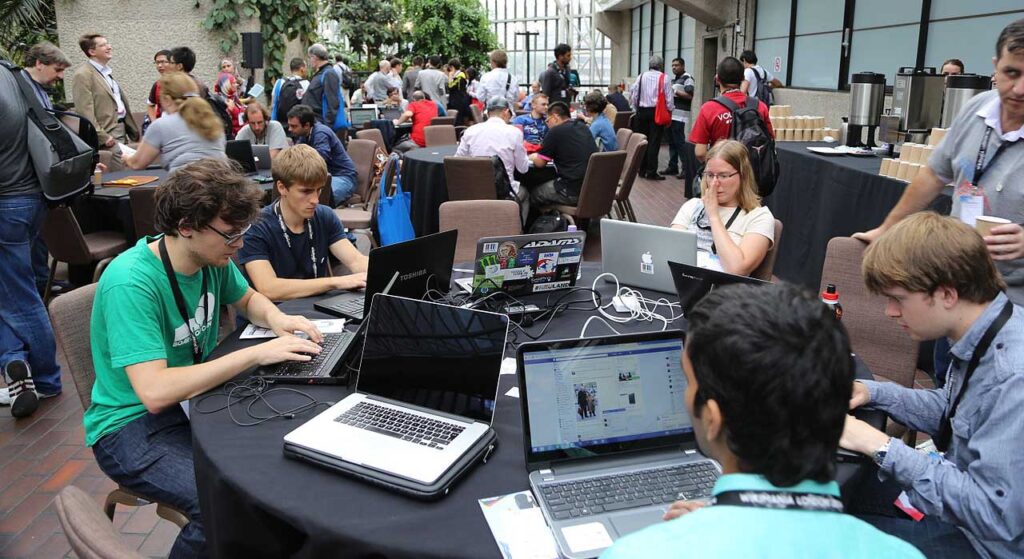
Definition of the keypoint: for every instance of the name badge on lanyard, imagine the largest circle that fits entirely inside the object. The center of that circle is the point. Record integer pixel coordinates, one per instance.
(972, 198)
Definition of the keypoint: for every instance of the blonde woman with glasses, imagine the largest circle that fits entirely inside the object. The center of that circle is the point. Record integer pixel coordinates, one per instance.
(734, 232)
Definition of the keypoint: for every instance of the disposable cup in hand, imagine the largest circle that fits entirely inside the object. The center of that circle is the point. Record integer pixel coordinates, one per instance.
(985, 223)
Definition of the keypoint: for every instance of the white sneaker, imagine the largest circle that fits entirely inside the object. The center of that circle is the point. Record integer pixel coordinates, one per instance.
(5, 396)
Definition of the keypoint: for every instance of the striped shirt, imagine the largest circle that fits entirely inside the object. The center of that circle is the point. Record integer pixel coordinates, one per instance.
(643, 92)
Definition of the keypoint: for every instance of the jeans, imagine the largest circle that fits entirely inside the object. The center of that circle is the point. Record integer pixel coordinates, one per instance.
(677, 141)
(152, 456)
(342, 188)
(933, 537)
(25, 331)
(546, 194)
(643, 122)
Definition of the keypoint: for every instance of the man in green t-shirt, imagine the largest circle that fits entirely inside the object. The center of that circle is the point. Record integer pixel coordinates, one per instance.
(155, 319)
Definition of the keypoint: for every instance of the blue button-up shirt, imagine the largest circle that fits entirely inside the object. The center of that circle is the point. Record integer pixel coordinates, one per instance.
(327, 144)
(979, 484)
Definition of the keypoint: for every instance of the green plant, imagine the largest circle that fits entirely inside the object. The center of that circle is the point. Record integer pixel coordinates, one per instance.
(449, 28)
(369, 25)
(27, 22)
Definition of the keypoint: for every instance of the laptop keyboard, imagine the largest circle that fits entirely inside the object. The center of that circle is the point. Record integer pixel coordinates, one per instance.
(351, 307)
(322, 363)
(401, 425)
(573, 499)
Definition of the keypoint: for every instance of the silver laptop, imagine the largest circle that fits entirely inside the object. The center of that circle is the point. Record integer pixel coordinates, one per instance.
(638, 253)
(609, 443)
(425, 393)
(261, 153)
(359, 116)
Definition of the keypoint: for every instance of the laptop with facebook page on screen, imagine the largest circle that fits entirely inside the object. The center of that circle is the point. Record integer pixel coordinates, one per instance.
(423, 401)
(638, 254)
(609, 444)
(693, 282)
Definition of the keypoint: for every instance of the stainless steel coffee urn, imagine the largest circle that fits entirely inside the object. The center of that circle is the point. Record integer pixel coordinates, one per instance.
(917, 99)
(867, 97)
(959, 90)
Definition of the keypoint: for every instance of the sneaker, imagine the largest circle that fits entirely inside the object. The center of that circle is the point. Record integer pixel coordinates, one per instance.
(655, 177)
(21, 391)
(669, 171)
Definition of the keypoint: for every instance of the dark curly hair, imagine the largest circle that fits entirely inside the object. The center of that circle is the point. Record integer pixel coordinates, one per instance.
(198, 193)
(779, 366)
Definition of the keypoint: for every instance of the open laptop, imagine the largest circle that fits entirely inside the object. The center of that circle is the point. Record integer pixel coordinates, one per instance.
(426, 392)
(524, 264)
(422, 264)
(390, 113)
(638, 254)
(359, 116)
(607, 436)
(261, 153)
(242, 152)
(693, 282)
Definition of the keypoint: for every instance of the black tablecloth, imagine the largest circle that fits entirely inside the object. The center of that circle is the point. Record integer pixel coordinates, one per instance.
(257, 503)
(819, 197)
(423, 176)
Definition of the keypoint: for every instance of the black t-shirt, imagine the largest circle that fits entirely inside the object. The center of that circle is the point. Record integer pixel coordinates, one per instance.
(569, 145)
(265, 241)
(554, 82)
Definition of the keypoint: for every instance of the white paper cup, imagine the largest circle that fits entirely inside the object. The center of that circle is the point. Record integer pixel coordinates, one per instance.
(984, 224)
(886, 164)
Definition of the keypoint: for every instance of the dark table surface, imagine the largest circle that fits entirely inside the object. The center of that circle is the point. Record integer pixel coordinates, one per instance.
(257, 503)
(423, 176)
(819, 197)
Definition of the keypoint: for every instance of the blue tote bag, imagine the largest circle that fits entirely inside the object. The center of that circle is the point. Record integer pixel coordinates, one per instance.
(393, 211)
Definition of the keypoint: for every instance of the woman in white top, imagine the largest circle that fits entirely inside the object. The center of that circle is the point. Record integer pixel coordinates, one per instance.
(728, 218)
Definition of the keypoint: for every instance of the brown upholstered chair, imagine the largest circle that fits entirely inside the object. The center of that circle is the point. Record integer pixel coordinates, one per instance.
(68, 244)
(373, 134)
(72, 335)
(622, 137)
(622, 119)
(362, 153)
(469, 178)
(598, 190)
(452, 114)
(440, 135)
(443, 120)
(90, 534)
(636, 149)
(478, 218)
(143, 204)
(478, 115)
(764, 269)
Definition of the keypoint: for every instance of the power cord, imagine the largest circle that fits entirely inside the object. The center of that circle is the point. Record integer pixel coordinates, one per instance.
(644, 309)
(249, 392)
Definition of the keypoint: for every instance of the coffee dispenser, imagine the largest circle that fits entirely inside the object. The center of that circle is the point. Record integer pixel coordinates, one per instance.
(917, 101)
(959, 90)
(867, 97)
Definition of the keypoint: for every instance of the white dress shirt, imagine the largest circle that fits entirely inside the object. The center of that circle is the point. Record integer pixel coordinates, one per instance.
(494, 137)
(107, 74)
(493, 84)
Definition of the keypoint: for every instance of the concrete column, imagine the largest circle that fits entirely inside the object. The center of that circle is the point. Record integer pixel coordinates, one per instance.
(617, 26)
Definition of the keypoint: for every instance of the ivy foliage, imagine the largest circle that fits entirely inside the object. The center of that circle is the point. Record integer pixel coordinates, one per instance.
(368, 24)
(449, 28)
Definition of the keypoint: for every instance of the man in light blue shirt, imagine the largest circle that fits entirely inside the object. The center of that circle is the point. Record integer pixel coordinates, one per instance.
(941, 282)
(768, 372)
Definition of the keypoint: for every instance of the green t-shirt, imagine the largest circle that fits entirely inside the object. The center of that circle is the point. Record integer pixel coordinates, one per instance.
(134, 320)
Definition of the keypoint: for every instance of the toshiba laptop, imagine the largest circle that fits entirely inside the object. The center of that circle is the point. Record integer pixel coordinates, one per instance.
(693, 282)
(425, 394)
(638, 254)
(607, 437)
(423, 264)
(523, 264)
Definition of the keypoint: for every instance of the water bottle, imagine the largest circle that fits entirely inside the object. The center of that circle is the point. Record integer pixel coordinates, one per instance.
(831, 298)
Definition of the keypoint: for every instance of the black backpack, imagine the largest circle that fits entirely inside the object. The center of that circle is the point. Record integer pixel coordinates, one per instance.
(287, 98)
(764, 87)
(220, 107)
(750, 129)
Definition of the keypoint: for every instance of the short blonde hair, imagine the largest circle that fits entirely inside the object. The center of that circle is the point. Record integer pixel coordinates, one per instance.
(299, 164)
(735, 154)
(926, 251)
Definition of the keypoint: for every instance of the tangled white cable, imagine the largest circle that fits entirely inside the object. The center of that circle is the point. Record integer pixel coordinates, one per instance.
(643, 309)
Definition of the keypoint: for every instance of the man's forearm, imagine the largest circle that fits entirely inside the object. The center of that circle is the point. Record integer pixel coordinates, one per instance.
(260, 310)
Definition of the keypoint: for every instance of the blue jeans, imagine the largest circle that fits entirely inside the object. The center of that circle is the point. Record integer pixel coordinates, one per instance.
(152, 456)
(677, 141)
(933, 537)
(342, 189)
(25, 331)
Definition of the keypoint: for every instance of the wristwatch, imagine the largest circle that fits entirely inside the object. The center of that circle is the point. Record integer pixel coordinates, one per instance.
(879, 455)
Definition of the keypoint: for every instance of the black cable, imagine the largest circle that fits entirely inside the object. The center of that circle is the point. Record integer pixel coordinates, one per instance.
(249, 392)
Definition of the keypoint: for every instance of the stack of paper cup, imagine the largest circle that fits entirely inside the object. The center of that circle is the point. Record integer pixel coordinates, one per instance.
(886, 165)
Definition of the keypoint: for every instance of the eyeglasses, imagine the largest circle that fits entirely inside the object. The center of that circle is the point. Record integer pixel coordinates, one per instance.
(720, 176)
(231, 239)
(161, 62)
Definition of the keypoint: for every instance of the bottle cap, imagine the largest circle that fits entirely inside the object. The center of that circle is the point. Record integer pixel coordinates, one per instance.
(830, 293)
(571, 229)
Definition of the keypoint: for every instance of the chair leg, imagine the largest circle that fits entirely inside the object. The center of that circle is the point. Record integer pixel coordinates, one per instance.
(49, 281)
(629, 210)
(172, 514)
(109, 505)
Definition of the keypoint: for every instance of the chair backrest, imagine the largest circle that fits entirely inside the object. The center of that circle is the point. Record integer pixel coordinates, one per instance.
(70, 314)
(598, 190)
(64, 237)
(373, 134)
(878, 340)
(635, 153)
(452, 114)
(361, 152)
(440, 135)
(441, 120)
(470, 178)
(478, 218)
(91, 534)
(478, 115)
(767, 265)
(622, 119)
(622, 137)
(143, 205)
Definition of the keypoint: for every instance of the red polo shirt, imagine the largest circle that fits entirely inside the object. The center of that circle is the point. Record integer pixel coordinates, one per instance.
(714, 122)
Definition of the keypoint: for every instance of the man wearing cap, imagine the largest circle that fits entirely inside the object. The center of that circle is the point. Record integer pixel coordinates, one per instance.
(495, 136)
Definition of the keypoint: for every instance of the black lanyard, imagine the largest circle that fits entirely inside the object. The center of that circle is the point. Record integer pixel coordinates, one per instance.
(779, 500)
(728, 224)
(945, 434)
(179, 301)
(979, 164)
(288, 239)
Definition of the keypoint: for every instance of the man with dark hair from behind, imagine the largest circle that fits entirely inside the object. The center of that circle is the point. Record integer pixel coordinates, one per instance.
(643, 95)
(569, 144)
(433, 82)
(183, 59)
(768, 372)
(409, 78)
(154, 322)
(714, 121)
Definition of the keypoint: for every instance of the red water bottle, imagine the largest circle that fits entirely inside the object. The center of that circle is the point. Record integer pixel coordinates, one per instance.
(831, 298)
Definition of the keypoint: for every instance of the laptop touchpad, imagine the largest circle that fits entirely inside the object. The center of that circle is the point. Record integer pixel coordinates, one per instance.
(628, 523)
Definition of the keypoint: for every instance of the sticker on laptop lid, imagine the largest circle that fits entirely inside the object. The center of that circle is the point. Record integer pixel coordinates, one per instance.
(585, 537)
(490, 248)
(550, 286)
(646, 263)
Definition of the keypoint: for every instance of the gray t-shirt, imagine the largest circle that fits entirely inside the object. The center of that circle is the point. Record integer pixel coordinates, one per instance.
(178, 144)
(273, 135)
(1003, 188)
(433, 82)
(17, 176)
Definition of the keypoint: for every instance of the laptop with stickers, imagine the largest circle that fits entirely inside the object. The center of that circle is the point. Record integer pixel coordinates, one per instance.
(526, 264)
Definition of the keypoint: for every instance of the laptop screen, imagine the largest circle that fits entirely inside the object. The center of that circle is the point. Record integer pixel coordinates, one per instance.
(434, 356)
(694, 282)
(422, 264)
(241, 151)
(603, 395)
(361, 115)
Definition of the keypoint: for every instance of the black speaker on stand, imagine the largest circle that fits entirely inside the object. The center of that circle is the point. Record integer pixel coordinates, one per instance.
(252, 54)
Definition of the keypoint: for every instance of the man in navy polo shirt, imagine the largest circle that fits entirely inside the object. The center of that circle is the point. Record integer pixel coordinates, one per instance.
(286, 252)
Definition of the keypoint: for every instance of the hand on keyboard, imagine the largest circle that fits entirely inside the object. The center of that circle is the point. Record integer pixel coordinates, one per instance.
(351, 281)
(679, 508)
(285, 325)
(285, 348)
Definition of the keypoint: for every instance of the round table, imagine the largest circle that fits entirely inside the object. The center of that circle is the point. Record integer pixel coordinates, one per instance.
(257, 503)
(423, 176)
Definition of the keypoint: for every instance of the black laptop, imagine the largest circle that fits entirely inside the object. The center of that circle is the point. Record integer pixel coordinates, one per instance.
(694, 282)
(409, 269)
(240, 151)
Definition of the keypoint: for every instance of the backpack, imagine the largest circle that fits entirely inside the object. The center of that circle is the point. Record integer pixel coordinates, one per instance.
(286, 96)
(549, 222)
(764, 87)
(348, 79)
(220, 108)
(750, 129)
(341, 119)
